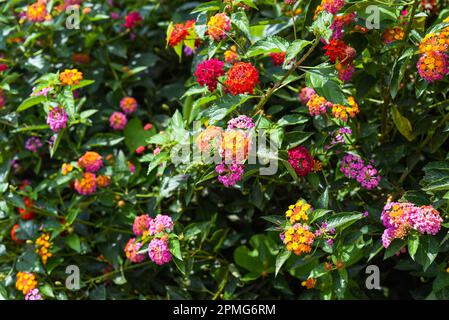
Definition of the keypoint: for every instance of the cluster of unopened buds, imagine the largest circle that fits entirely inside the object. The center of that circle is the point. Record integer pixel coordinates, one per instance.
(152, 237)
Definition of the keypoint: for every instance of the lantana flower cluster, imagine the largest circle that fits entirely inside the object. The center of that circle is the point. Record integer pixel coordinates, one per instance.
(354, 167)
(433, 62)
(401, 218)
(154, 231)
(230, 147)
(241, 78)
(318, 105)
(89, 165)
(297, 234)
(118, 120)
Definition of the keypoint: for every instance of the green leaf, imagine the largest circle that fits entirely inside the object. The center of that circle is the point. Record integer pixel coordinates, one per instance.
(427, 251)
(395, 246)
(343, 220)
(240, 20)
(135, 135)
(73, 241)
(82, 84)
(175, 248)
(402, 124)
(397, 74)
(294, 49)
(268, 45)
(413, 244)
(281, 258)
(30, 102)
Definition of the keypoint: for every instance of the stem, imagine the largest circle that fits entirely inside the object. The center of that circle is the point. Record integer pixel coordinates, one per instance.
(271, 91)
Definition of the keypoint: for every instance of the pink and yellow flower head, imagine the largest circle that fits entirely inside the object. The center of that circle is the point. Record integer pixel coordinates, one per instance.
(128, 105)
(159, 251)
(37, 12)
(209, 139)
(142, 224)
(70, 77)
(160, 224)
(25, 282)
(298, 211)
(118, 121)
(91, 161)
(218, 26)
(306, 94)
(317, 105)
(400, 218)
(231, 55)
(87, 185)
(433, 66)
(235, 146)
(132, 251)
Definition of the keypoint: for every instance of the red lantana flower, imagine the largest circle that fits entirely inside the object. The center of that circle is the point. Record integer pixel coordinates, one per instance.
(180, 32)
(242, 78)
(301, 160)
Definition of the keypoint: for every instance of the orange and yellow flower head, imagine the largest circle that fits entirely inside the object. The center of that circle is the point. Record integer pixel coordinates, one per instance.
(70, 77)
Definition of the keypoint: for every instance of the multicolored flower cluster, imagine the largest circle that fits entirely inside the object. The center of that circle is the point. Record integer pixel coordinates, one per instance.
(155, 230)
(118, 121)
(69, 77)
(342, 55)
(299, 211)
(37, 12)
(353, 167)
(433, 63)
(179, 32)
(218, 25)
(91, 161)
(43, 247)
(128, 105)
(318, 105)
(393, 34)
(57, 118)
(208, 72)
(301, 160)
(400, 219)
(231, 55)
(25, 282)
(298, 238)
(87, 185)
